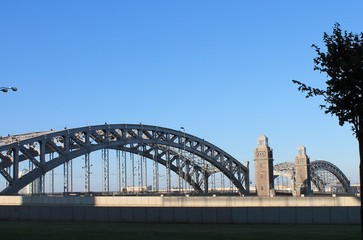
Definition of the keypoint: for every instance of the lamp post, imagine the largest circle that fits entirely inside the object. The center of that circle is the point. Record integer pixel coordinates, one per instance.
(6, 89)
(183, 182)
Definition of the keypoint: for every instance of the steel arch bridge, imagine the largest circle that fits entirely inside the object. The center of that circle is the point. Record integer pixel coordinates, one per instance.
(171, 148)
(322, 174)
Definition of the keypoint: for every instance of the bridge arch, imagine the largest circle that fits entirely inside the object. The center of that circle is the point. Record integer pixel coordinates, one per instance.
(287, 169)
(153, 142)
(319, 182)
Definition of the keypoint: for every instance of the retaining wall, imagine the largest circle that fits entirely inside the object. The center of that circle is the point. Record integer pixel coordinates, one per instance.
(308, 210)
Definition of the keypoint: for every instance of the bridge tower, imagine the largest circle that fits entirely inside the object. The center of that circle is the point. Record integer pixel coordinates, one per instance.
(264, 167)
(302, 173)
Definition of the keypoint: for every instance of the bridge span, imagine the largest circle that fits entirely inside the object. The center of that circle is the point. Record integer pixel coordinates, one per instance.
(139, 159)
(192, 159)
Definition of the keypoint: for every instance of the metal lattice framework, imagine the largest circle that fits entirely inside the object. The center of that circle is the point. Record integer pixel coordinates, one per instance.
(286, 170)
(160, 144)
(318, 169)
(284, 167)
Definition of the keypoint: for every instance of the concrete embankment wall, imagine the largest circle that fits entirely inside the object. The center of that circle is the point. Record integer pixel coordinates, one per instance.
(308, 210)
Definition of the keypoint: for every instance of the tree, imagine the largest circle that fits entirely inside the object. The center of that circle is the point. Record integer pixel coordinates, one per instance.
(343, 97)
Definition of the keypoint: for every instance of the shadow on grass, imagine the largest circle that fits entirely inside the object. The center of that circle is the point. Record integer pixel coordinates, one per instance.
(55, 230)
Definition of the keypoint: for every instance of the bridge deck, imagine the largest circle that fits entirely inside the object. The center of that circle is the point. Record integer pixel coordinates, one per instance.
(19, 137)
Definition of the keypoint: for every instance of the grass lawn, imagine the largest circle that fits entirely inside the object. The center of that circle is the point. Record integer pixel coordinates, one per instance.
(53, 230)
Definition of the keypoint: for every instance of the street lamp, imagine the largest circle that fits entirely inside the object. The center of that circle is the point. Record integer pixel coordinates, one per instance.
(5, 89)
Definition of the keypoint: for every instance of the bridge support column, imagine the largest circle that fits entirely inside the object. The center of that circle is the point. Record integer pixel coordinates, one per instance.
(15, 164)
(302, 173)
(264, 168)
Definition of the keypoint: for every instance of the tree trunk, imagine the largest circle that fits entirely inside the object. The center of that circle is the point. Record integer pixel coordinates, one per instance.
(360, 142)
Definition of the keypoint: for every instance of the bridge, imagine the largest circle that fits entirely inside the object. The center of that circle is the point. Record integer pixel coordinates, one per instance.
(133, 159)
(325, 176)
(192, 159)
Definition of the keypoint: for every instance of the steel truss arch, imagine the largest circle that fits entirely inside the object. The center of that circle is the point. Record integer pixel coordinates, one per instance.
(317, 165)
(72, 143)
(285, 166)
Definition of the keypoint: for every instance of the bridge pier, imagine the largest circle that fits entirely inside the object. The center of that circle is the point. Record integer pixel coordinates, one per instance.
(302, 173)
(263, 168)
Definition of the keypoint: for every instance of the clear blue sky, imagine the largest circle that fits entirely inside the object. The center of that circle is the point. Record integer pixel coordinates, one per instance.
(220, 69)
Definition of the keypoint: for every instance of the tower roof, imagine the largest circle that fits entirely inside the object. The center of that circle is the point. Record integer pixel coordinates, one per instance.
(301, 150)
(262, 140)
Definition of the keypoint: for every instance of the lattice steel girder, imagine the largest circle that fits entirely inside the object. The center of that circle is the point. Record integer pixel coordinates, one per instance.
(117, 135)
(161, 158)
(324, 165)
(285, 166)
(6, 160)
(29, 154)
(316, 166)
(6, 176)
(52, 146)
(318, 182)
(76, 140)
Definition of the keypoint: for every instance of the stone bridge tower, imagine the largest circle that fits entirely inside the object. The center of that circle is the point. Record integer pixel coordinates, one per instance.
(264, 167)
(302, 173)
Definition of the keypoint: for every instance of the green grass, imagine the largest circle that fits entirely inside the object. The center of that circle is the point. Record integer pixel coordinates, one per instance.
(53, 230)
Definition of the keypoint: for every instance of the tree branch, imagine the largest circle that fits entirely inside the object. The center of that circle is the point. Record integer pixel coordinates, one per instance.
(310, 91)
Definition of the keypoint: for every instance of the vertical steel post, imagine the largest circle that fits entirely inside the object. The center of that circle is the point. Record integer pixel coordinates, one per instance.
(118, 166)
(145, 168)
(50, 158)
(106, 170)
(65, 177)
(132, 166)
(32, 183)
(155, 171)
(52, 182)
(67, 172)
(8, 171)
(222, 183)
(213, 182)
(183, 159)
(178, 164)
(139, 170)
(87, 168)
(206, 176)
(42, 162)
(70, 175)
(124, 170)
(15, 156)
(168, 177)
